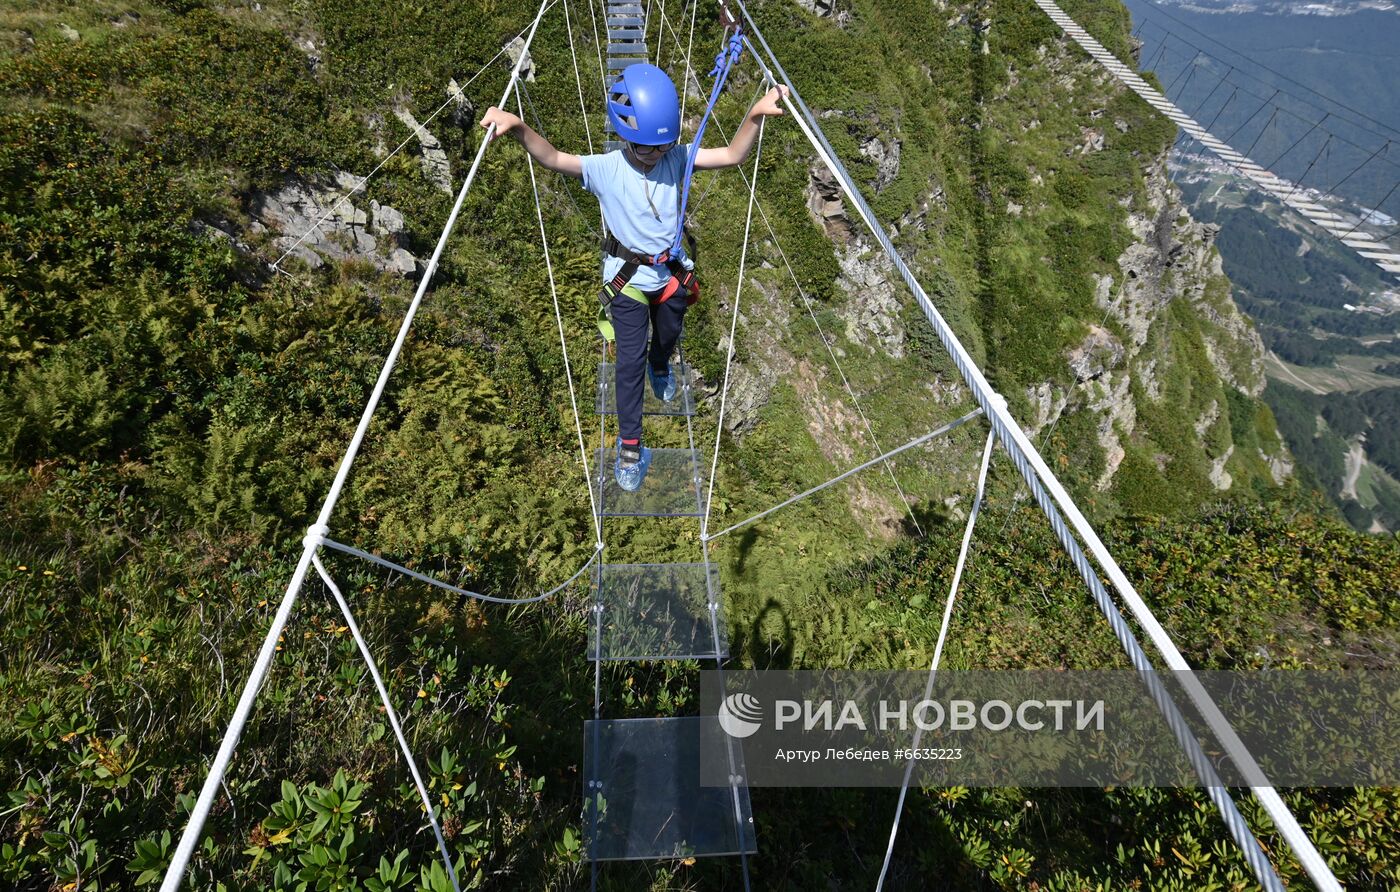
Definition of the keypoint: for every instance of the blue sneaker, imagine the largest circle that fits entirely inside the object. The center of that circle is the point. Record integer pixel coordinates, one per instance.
(664, 386)
(631, 467)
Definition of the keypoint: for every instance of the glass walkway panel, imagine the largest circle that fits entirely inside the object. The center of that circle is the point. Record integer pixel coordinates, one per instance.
(643, 797)
(683, 404)
(669, 489)
(656, 612)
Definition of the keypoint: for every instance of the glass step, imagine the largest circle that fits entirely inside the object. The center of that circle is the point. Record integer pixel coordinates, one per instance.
(642, 791)
(657, 612)
(669, 489)
(682, 404)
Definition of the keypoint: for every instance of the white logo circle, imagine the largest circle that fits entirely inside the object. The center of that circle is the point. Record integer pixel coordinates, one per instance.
(740, 715)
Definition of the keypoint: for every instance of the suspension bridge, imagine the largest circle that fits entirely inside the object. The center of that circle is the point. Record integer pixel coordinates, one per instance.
(642, 797)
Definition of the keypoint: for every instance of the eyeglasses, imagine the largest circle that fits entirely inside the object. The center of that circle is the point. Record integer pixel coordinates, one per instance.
(648, 150)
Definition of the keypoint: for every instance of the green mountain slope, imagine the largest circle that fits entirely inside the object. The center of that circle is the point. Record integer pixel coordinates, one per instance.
(1328, 358)
(173, 411)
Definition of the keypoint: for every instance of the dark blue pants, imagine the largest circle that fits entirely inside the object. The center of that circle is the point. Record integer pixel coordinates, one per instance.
(630, 320)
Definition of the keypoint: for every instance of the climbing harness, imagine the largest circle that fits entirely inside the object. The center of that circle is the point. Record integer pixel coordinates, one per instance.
(683, 284)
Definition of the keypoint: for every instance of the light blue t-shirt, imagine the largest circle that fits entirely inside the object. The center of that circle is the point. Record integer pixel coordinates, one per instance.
(623, 191)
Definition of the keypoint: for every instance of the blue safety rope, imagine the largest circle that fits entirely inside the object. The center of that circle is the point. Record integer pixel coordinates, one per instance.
(724, 60)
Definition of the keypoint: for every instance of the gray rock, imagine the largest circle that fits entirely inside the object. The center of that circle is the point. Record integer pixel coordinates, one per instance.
(919, 218)
(463, 113)
(318, 222)
(364, 242)
(827, 205)
(1280, 465)
(1219, 477)
(824, 8)
(347, 182)
(1046, 406)
(514, 49)
(402, 262)
(1171, 259)
(1110, 398)
(313, 54)
(1098, 353)
(1208, 418)
(387, 220)
(872, 313)
(885, 158)
(433, 160)
(1091, 140)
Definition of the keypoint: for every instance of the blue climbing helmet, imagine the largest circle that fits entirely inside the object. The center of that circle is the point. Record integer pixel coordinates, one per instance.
(643, 107)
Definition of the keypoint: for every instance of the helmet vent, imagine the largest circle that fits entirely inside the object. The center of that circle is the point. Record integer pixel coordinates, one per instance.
(622, 100)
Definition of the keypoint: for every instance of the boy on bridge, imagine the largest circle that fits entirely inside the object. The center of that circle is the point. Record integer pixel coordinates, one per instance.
(648, 283)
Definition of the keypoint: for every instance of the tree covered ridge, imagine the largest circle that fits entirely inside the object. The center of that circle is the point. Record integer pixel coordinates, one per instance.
(171, 414)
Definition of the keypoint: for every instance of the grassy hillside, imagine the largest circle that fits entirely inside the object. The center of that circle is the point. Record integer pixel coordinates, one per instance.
(172, 413)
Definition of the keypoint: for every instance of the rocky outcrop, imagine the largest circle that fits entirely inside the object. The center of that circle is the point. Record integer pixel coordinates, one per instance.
(827, 9)
(1219, 477)
(1099, 353)
(1172, 259)
(463, 113)
(313, 52)
(827, 205)
(1280, 465)
(936, 200)
(885, 157)
(1175, 257)
(318, 222)
(872, 313)
(514, 50)
(433, 159)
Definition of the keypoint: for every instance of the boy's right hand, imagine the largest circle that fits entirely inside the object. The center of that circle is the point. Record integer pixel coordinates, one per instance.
(505, 121)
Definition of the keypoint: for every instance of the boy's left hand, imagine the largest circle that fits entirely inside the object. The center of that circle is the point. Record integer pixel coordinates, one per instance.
(771, 104)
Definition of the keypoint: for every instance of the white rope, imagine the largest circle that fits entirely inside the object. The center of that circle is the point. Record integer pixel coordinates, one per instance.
(597, 45)
(422, 129)
(563, 343)
(938, 648)
(212, 782)
(733, 328)
(583, 107)
(661, 15)
(449, 587)
(690, 43)
(955, 423)
(392, 716)
(578, 81)
(826, 342)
